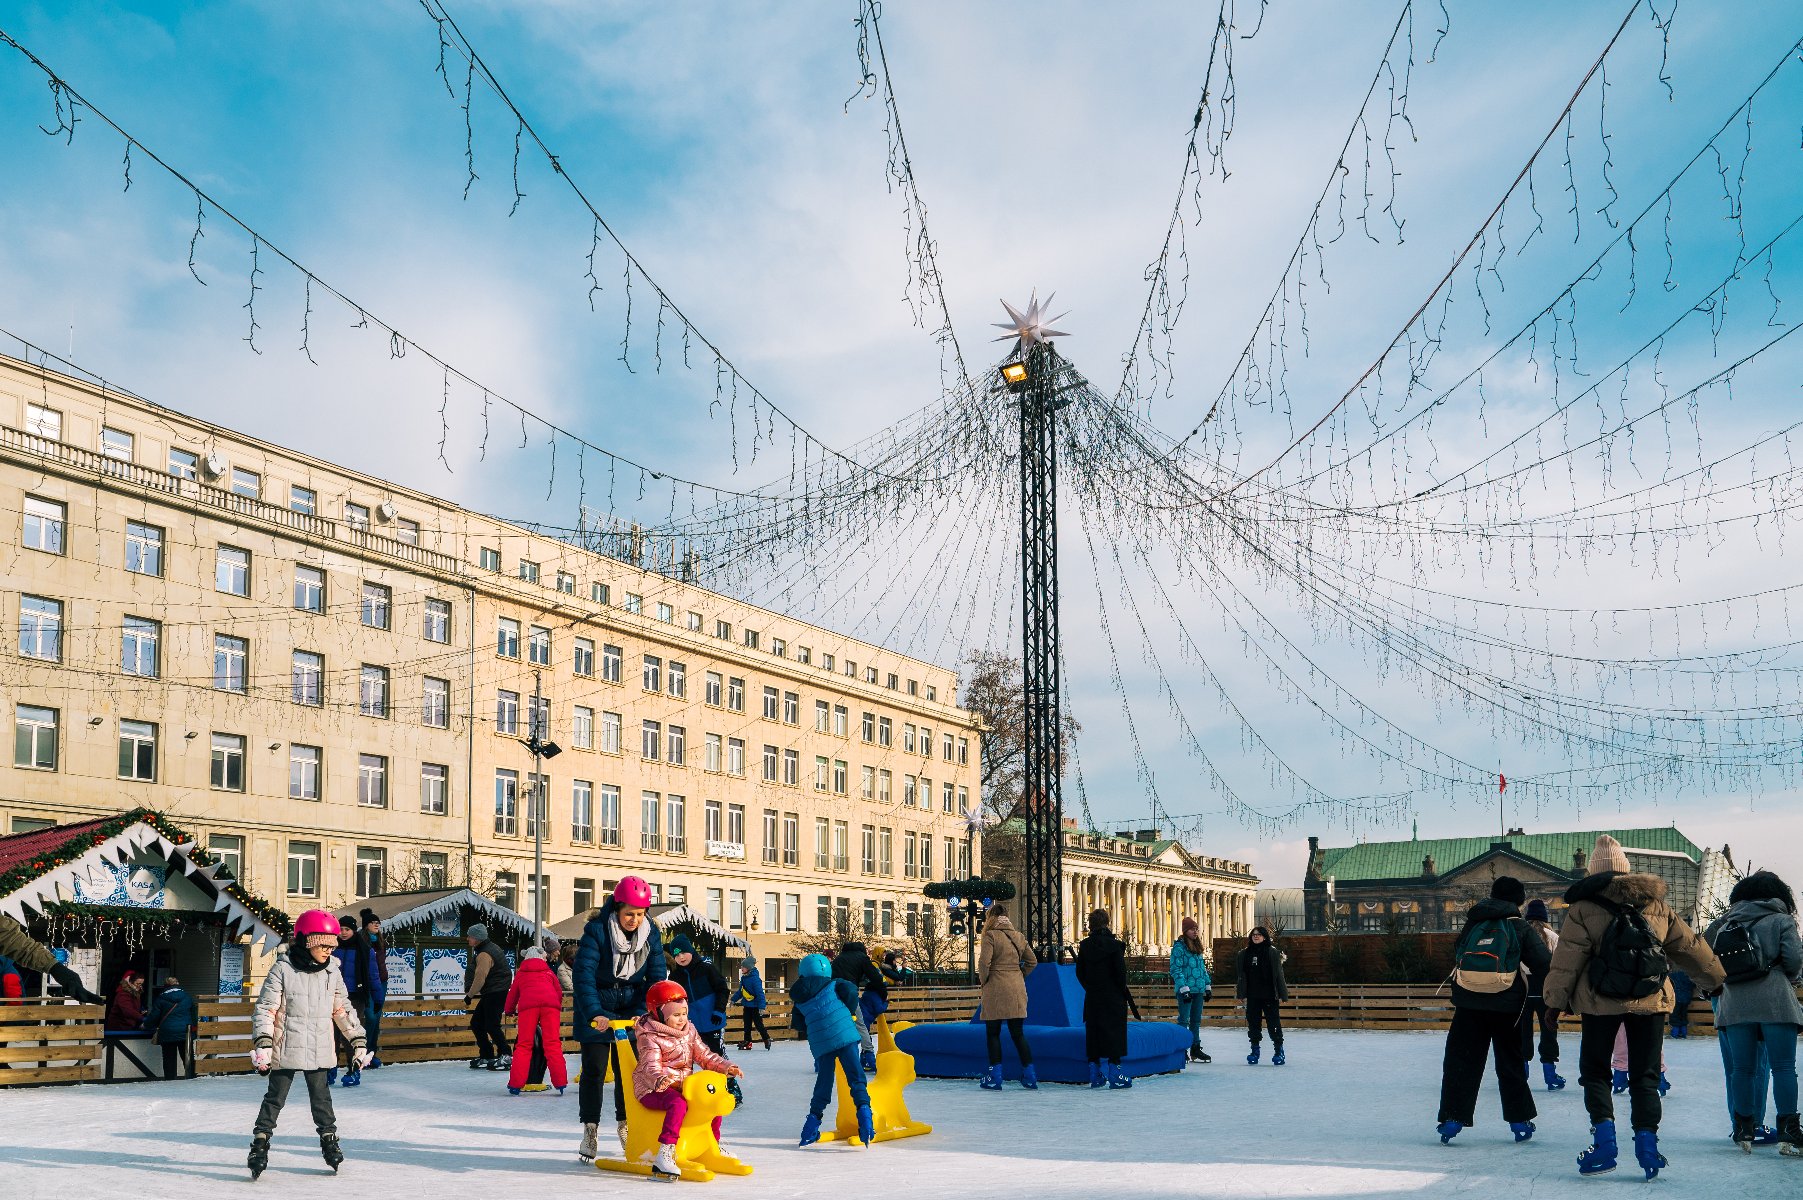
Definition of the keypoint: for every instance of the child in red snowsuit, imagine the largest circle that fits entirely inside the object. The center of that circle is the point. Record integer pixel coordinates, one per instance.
(536, 998)
(670, 1049)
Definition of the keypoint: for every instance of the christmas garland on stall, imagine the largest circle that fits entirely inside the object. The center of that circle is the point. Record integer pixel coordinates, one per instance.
(80, 843)
(969, 889)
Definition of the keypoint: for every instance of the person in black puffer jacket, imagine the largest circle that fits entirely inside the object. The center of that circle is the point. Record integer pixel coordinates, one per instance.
(1260, 986)
(1483, 1021)
(621, 955)
(854, 966)
(1102, 970)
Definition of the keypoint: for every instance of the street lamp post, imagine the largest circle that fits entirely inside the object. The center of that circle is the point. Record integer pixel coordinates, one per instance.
(542, 747)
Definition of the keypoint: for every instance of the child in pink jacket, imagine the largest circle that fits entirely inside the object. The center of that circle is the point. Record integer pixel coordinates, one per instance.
(536, 997)
(669, 1050)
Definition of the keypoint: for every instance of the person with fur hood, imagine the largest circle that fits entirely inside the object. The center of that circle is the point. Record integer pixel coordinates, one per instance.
(670, 1049)
(536, 998)
(1615, 950)
(302, 1000)
(1762, 955)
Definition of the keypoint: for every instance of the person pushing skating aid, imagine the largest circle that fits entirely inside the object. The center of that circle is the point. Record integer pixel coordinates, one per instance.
(824, 1012)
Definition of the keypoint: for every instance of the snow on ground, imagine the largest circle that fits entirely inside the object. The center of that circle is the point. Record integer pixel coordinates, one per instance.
(1352, 1114)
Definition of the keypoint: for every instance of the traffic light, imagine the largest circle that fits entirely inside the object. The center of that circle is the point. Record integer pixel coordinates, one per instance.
(955, 916)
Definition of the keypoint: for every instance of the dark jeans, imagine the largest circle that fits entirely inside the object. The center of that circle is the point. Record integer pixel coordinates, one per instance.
(1646, 1031)
(485, 1023)
(536, 1068)
(1474, 1034)
(1549, 1032)
(847, 1058)
(319, 1095)
(755, 1016)
(1017, 1030)
(371, 1015)
(175, 1054)
(596, 1059)
(1266, 1011)
(715, 1040)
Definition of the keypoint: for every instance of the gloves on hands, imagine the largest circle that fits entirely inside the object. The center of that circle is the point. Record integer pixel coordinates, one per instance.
(1207, 995)
(71, 984)
(362, 1058)
(1183, 993)
(261, 1057)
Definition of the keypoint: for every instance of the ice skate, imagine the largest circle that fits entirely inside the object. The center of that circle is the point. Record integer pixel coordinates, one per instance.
(1117, 1079)
(1665, 1085)
(352, 1077)
(591, 1142)
(1790, 1136)
(1277, 1059)
(1252, 1058)
(500, 1064)
(1029, 1078)
(1646, 1151)
(1618, 1082)
(810, 1129)
(1448, 1130)
(1523, 1130)
(867, 1060)
(1743, 1133)
(992, 1079)
(1600, 1157)
(1096, 1078)
(622, 1132)
(479, 1064)
(259, 1154)
(866, 1125)
(664, 1165)
(1554, 1080)
(330, 1151)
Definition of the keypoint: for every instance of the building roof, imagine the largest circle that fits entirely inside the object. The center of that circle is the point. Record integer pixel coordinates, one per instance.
(22, 849)
(1402, 860)
(403, 910)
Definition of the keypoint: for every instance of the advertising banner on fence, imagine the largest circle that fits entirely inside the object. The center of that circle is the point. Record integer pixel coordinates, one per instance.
(403, 970)
(443, 971)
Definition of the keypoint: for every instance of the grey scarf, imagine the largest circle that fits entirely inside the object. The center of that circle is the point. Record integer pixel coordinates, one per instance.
(630, 950)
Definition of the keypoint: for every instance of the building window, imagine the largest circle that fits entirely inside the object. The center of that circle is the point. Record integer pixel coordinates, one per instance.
(507, 637)
(867, 850)
(791, 839)
(894, 681)
(822, 770)
(804, 656)
(723, 630)
(677, 679)
(908, 738)
(867, 783)
(963, 858)
(304, 772)
(372, 691)
(434, 788)
(823, 716)
(712, 686)
(963, 751)
(666, 614)
(885, 732)
(507, 803)
(870, 916)
(770, 758)
(138, 751)
(675, 825)
(946, 794)
(303, 868)
(437, 621)
(908, 786)
(231, 656)
(735, 909)
(676, 745)
(735, 756)
(537, 795)
(372, 871)
(247, 483)
(841, 721)
(714, 753)
(826, 662)
(926, 856)
(633, 603)
(792, 768)
(713, 821)
(841, 846)
(184, 464)
(840, 772)
(434, 870)
(949, 745)
(910, 854)
(582, 894)
(41, 628)
(600, 593)
(823, 915)
(610, 815)
(583, 660)
(538, 646)
(770, 843)
(823, 845)
(228, 762)
(791, 708)
(610, 732)
(528, 570)
(307, 675)
(377, 606)
(435, 703)
(507, 712)
(612, 658)
(406, 531)
(751, 639)
(694, 622)
(488, 558)
(654, 673)
(231, 571)
(772, 704)
(716, 904)
(309, 589)
(507, 890)
(963, 801)
(143, 549)
(650, 809)
(885, 786)
(867, 728)
(357, 516)
(791, 913)
(566, 583)
(735, 694)
(650, 740)
(302, 500)
(582, 811)
(885, 851)
(735, 824)
(372, 780)
(582, 727)
(43, 422)
(228, 851)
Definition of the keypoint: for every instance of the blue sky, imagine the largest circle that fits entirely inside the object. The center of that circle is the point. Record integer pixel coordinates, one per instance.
(715, 139)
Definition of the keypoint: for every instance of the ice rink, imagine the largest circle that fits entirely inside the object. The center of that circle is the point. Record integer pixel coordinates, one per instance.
(1352, 1114)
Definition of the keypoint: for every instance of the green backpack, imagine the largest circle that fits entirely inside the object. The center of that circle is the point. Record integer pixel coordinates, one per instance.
(1489, 957)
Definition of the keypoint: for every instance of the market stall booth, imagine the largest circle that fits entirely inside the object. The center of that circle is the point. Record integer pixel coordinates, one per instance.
(423, 932)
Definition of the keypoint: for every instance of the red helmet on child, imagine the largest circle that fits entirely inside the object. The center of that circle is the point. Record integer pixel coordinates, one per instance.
(315, 920)
(661, 993)
(633, 892)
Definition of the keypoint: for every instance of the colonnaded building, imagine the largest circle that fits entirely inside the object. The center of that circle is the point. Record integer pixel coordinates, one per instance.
(329, 679)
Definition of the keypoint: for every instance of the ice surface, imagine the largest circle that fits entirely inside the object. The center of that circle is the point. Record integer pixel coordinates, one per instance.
(1351, 1115)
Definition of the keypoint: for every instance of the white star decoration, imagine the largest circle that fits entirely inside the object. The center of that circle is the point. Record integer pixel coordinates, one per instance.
(1032, 327)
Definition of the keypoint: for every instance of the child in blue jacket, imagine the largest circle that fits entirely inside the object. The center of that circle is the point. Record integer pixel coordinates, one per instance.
(825, 1013)
(750, 998)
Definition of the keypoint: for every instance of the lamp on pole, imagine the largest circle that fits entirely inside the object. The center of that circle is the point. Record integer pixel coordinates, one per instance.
(542, 747)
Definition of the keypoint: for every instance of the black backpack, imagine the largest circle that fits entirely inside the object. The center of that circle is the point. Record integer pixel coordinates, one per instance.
(1629, 962)
(1742, 957)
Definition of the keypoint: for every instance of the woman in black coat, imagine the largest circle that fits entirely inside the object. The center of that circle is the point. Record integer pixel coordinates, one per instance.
(1102, 970)
(1260, 986)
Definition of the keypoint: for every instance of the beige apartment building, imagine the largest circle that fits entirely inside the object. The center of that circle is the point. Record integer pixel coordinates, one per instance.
(330, 679)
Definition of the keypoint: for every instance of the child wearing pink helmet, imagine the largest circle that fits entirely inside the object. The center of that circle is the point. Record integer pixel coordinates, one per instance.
(620, 956)
(302, 999)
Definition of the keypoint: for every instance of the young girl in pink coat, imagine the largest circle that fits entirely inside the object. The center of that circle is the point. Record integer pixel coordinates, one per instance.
(669, 1050)
(536, 997)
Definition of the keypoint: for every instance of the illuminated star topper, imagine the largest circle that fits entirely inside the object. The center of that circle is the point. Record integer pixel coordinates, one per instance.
(1032, 327)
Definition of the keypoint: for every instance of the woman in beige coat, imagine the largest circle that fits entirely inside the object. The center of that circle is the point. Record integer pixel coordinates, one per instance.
(1002, 969)
(1584, 980)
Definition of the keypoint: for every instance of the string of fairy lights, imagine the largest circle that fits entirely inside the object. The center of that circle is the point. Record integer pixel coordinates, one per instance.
(1475, 544)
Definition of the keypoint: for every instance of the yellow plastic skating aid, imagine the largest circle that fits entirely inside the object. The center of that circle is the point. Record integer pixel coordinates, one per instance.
(888, 1106)
(698, 1154)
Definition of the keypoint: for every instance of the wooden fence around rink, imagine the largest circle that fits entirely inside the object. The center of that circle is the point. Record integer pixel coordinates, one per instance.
(63, 1043)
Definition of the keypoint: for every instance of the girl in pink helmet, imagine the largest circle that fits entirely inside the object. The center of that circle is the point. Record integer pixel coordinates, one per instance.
(303, 997)
(621, 955)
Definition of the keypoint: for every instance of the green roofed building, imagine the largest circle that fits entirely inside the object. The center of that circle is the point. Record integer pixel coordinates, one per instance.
(1427, 884)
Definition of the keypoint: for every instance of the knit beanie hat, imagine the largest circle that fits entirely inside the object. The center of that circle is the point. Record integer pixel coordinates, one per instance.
(531, 954)
(346, 923)
(1537, 911)
(1189, 926)
(367, 917)
(1608, 856)
(479, 932)
(1507, 887)
(680, 944)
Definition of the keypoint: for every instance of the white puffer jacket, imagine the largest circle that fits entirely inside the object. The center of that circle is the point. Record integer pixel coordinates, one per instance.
(296, 1011)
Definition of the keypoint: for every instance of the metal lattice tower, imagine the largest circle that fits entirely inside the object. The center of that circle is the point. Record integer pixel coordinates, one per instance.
(1042, 797)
